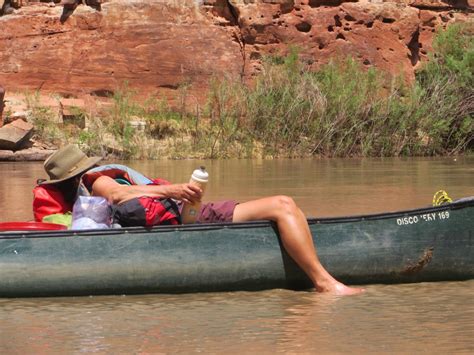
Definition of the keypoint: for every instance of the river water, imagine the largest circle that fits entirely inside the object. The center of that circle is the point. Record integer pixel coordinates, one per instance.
(424, 317)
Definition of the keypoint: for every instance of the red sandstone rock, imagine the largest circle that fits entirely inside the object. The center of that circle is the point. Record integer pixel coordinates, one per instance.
(14, 136)
(19, 115)
(440, 4)
(72, 112)
(30, 154)
(159, 46)
(14, 104)
(22, 106)
(68, 105)
(151, 45)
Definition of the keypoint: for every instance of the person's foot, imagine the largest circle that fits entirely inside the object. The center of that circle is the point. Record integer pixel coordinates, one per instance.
(339, 289)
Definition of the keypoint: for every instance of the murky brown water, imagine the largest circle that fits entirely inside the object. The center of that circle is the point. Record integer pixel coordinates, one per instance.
(321, 187)
(427, 317)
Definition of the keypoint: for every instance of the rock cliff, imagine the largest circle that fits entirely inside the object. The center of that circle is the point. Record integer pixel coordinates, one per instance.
(157, 46)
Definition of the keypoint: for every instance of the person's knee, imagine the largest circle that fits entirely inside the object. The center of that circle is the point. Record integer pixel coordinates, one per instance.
(285, 205)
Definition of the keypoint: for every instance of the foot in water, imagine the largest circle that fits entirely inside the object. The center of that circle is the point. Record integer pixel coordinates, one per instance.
(339, 289)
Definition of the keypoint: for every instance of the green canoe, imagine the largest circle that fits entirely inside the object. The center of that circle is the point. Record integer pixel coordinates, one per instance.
(428, 244)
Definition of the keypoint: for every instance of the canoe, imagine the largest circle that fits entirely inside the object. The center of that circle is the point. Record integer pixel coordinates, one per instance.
(427, 244)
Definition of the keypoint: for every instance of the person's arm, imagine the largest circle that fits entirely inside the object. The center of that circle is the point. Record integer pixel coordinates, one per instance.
(116, 193)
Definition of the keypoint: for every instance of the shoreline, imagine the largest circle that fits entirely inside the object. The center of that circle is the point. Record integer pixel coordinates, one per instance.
(35, 154)
(24, 155)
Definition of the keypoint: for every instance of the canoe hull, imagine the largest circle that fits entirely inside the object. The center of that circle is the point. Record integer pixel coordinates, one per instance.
(434, 244)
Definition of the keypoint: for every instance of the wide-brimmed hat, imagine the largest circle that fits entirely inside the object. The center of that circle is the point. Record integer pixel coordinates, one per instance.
(66, 163)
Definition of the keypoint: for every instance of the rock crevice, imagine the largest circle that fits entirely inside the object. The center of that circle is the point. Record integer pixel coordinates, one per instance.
(158, 45)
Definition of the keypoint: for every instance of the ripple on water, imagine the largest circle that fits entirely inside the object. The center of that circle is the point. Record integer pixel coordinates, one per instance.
(396, 318)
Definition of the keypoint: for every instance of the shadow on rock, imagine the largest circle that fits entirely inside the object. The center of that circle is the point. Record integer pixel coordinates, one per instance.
(68, 9)
(69, 6)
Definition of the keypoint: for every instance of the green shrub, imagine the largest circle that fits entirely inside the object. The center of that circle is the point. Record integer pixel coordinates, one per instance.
(346, 110)
(43, 119)
(448, 84)
(225, 133)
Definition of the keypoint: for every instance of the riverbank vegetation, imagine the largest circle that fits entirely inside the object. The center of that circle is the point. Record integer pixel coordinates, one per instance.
(289, 111)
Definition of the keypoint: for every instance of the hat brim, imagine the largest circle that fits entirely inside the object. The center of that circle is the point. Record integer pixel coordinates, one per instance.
(84, 165)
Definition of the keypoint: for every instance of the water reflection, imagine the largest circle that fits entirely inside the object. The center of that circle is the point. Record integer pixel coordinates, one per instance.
(411, 318)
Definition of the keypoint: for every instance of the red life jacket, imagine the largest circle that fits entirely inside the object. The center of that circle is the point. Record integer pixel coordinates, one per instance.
(141, 211)
(48, 199)
(146, 211)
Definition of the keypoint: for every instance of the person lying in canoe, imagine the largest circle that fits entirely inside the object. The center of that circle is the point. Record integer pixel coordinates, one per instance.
(142, 201)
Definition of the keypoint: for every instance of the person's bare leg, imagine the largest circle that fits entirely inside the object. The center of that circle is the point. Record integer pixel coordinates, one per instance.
(296, 238)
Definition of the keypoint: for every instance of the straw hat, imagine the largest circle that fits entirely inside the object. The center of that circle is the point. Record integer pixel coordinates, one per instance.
(66, 163)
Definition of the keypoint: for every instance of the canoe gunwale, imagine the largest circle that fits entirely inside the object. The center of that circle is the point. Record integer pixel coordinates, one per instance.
(463, 203)
(466, 202)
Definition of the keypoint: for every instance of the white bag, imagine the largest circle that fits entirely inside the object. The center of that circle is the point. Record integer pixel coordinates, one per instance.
(91, 212)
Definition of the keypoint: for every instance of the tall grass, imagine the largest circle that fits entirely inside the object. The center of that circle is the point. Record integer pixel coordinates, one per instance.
(340, 110)
(345, 110)
(448, 84)
(113, 132)
(44, 120)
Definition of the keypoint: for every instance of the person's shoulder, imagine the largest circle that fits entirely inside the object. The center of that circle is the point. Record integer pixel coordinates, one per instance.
(108, 167)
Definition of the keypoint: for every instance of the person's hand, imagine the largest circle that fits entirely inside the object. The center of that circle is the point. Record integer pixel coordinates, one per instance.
(188, 193)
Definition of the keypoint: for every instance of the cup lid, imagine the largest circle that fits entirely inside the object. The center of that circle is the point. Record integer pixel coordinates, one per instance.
(200, 174)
